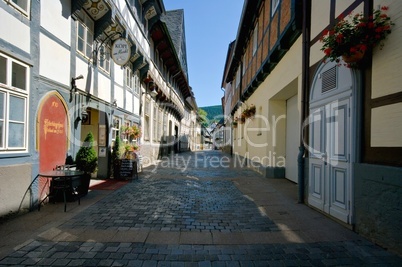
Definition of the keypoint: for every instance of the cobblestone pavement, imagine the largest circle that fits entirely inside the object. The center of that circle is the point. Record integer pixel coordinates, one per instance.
(193, 209)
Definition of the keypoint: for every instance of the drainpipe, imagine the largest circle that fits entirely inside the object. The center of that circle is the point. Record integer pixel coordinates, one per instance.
(304, 90)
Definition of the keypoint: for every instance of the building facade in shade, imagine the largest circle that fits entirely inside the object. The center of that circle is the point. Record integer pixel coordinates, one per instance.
(68, 68)
(332, 129)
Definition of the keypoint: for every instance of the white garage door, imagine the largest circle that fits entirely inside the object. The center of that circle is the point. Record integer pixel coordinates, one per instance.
(292, 138)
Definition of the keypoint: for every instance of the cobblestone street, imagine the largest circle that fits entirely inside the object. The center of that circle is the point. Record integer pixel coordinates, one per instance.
(193, 209)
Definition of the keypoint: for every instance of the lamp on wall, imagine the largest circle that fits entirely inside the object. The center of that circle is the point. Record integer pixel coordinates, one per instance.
(153, 93)
(73, 86)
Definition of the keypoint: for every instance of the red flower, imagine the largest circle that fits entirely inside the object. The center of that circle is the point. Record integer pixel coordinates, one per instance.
(384, 8)
(362, 47)
(339, 38)
(328, 51)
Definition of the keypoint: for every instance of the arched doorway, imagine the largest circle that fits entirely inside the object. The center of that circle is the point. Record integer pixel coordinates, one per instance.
(332, 147)
(52, 126)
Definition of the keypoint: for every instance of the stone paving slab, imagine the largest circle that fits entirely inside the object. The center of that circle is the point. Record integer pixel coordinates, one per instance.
(175, 205)
(352, 253)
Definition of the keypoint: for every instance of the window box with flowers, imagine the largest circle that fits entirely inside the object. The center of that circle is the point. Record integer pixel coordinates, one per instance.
(131, 132)
(354, 35)
(249, 112)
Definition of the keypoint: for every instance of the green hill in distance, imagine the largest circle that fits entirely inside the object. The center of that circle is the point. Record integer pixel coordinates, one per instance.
(214, 113)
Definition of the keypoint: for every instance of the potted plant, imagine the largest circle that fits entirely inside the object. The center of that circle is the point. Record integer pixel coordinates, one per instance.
(130, 150)
(116, 155)
(352, 36)
(86, 161)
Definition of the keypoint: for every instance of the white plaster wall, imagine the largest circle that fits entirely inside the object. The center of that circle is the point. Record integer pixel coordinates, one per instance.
(13, 184)
(320, 18)
(104, 88)
(85, 84)
(136, 109)
(386, 126)
(54, 60)
(56, 19)
(118, 75)
(118, 95)
(129, 101)
(387, 78)
(14, 31)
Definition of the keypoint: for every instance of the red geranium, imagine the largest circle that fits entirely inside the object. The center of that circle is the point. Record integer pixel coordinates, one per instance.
(355, 34)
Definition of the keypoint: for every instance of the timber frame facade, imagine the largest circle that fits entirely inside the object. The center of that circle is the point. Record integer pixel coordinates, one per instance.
(61, 79)
(332, 130)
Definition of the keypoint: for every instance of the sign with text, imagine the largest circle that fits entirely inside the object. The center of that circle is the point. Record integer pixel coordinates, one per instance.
(121, 51)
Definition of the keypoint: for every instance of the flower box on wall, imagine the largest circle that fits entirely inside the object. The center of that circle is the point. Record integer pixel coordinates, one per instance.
(354, 35)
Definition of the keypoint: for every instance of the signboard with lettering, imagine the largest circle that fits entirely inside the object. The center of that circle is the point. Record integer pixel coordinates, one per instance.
(128, 169)
(121, 51)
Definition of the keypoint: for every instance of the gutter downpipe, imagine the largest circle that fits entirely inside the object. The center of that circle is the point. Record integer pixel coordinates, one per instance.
(304, 90)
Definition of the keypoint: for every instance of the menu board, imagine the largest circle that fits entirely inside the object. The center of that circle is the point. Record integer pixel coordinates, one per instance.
(128, 169)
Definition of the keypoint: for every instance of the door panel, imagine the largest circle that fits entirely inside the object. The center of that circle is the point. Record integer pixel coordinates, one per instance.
(329, 159)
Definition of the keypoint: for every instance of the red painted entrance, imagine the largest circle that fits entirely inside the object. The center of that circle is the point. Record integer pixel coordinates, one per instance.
(52, 123)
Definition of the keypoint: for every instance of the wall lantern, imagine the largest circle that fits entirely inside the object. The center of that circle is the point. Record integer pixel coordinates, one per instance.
(73, 86)
(153, 93)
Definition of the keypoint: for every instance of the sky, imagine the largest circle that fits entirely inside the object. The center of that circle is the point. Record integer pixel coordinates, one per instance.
(210, 26)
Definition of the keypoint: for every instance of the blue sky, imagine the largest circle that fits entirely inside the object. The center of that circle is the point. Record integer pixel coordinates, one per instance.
(210, 26)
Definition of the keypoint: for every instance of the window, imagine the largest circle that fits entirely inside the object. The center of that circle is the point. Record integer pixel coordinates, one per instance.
(21, 5)
(115, 128)
(155, 124)
(255, 39)
(13, 105)
(104, 58)
(275, 4)
(85, 36)
(238, 78)
(160, 123)
(137, 83)
(129, 78)
(243, 71)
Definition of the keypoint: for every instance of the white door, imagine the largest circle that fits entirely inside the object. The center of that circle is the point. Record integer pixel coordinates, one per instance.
(330, 149)
(292, 138)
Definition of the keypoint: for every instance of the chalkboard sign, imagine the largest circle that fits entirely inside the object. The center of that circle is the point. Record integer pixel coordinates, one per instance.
(128, 169)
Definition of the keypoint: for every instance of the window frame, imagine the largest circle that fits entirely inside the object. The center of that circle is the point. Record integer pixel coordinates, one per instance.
(129, 78)
(255, 39)
(274, 6)
(105, 60)
(84, 20)
(9, 91)
(21, 9)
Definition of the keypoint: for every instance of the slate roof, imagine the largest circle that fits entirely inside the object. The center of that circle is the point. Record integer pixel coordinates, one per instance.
(174, 20)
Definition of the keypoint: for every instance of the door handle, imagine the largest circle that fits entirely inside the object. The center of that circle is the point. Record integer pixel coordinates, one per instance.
(324, 157)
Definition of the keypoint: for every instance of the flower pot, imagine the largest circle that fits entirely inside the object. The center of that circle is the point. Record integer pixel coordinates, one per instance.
(356, 57)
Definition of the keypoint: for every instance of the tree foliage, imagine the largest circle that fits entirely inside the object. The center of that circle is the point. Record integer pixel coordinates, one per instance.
(203, 117)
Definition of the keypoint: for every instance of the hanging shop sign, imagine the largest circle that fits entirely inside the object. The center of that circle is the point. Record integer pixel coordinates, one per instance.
(121, 51)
